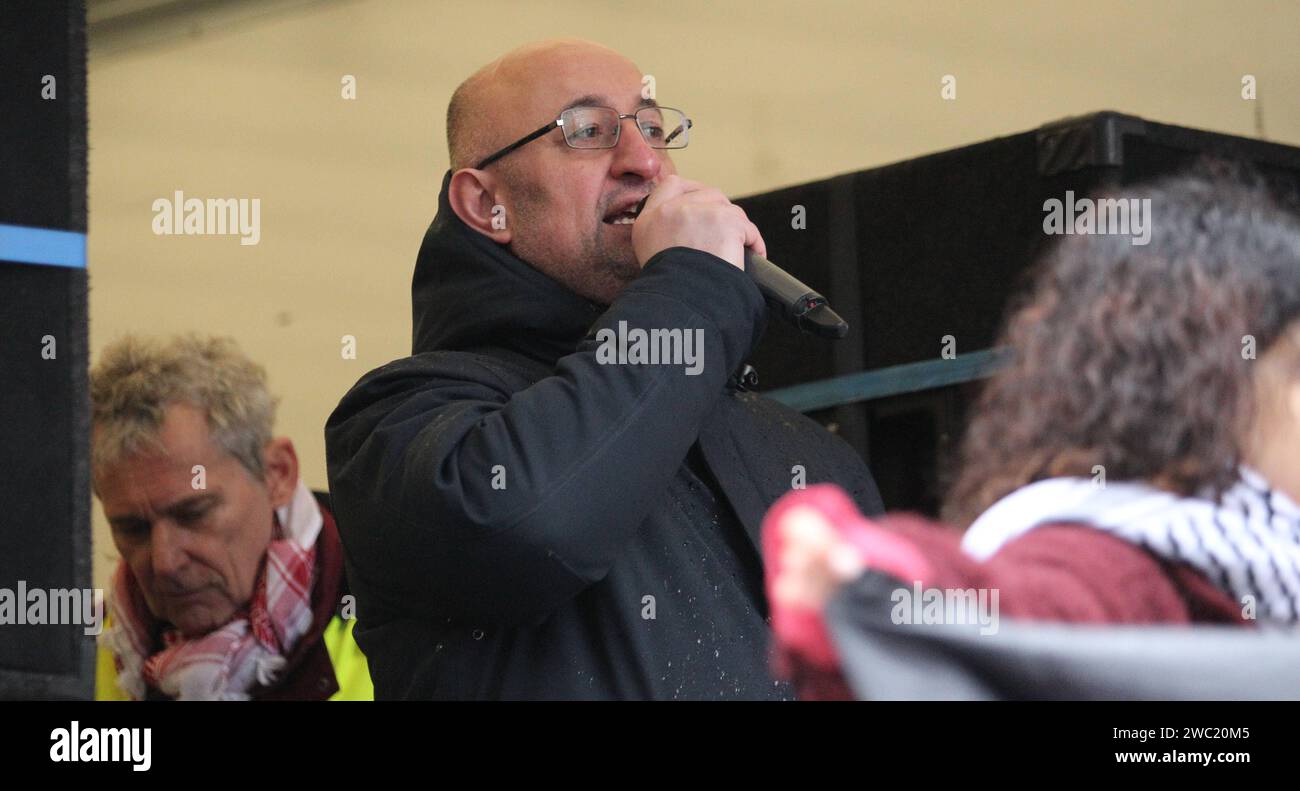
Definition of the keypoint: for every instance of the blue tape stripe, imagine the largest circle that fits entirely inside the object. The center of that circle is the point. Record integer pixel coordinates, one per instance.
(895, 380)
(25, 245)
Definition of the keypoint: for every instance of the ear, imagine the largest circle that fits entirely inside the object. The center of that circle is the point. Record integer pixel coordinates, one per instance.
(281, 463)
(473, 196)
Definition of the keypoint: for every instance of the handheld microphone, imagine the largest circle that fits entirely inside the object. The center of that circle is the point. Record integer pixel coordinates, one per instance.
(800, 305)
(794, 301)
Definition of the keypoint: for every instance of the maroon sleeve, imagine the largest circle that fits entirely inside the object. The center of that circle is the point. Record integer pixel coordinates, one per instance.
(1065, 573)
(1069, 573)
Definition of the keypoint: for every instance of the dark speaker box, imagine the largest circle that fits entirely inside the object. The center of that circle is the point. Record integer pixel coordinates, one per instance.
(931, 247)
(44, 405)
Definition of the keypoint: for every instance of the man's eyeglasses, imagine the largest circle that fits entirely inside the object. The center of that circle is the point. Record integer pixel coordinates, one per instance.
(599, 127)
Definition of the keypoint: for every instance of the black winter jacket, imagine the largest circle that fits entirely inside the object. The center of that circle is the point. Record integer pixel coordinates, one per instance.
(522, 520)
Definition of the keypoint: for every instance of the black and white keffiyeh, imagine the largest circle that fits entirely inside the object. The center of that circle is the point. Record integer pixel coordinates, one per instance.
(1248, 544)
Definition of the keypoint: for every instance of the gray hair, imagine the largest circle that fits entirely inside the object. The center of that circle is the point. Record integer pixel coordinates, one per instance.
(138, 378)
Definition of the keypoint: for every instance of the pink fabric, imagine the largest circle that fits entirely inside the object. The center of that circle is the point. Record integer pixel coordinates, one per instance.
(800, 633)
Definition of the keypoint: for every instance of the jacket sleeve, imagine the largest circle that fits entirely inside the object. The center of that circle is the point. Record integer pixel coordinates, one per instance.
(1063, 573)
(457, 499)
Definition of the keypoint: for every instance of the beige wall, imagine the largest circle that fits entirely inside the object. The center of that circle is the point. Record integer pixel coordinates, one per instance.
(249, 105)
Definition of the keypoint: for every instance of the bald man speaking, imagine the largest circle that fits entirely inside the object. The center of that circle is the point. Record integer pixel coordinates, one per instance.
(558, 494)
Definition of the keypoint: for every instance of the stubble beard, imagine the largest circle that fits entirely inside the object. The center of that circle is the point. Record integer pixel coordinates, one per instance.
(600, 269)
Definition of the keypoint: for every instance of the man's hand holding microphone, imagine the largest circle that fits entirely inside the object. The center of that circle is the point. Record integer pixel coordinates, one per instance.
(685, 213)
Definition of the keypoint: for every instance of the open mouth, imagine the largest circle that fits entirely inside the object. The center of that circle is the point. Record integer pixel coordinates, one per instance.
(626, 216)
(621, 218)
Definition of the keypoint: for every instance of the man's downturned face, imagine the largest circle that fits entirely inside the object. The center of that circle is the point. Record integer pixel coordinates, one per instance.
(557, 197)
(195, 553)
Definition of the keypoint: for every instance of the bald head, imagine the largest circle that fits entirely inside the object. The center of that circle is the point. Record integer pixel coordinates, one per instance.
(551, 205)
(484, 112)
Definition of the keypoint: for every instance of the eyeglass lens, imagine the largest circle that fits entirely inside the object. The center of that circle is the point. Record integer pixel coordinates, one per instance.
(598, 127)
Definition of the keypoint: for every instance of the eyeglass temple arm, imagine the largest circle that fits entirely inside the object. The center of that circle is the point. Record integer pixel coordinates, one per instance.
(678, 131)
(543, 130)
(521, 141)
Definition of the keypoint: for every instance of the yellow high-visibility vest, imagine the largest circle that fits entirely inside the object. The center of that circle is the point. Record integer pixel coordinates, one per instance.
(350, 668)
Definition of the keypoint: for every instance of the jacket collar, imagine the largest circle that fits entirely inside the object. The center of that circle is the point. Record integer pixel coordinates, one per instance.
(470, 292)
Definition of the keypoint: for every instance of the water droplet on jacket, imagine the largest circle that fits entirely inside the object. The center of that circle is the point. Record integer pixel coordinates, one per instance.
(478, 634)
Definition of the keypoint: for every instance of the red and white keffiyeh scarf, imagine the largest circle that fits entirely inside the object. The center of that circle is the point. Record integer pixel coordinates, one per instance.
(249, 651)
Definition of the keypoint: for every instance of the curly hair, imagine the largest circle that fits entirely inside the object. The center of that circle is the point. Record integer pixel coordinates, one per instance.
(1134, 358)
(138, 378)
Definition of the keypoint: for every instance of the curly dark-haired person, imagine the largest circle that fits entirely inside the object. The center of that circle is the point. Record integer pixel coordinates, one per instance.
(1136, 462)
